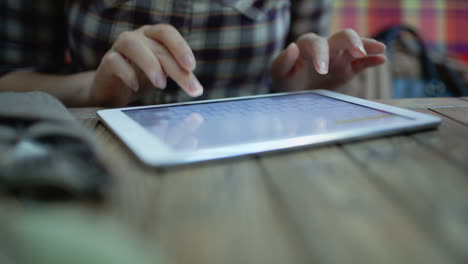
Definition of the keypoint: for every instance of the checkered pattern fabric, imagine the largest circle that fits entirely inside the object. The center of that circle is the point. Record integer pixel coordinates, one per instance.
(234, 41)
(441, 22)
(30, 35)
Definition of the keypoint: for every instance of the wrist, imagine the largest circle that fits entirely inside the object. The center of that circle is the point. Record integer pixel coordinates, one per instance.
(85, 82)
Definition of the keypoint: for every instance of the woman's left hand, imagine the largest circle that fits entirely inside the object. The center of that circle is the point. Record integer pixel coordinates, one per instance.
(315, 62)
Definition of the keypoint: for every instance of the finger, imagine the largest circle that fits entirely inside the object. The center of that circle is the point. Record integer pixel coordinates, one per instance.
(185, 79)
(284, 64)
(348, 40)
(315, 48)
(132, 46)
(117, 65)
(367, 62)
(174, 42)
(373, 47)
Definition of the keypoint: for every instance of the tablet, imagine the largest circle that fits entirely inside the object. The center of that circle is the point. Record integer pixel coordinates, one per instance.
(173, 134)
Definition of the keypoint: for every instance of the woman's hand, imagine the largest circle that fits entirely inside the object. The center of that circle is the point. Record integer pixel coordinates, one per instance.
(144, 58)
(315, 62)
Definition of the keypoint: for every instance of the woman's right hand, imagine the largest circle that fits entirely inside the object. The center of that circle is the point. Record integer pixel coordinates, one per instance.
(141, 58)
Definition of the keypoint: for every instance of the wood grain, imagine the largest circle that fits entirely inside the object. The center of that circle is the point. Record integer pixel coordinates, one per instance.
(425, 102)
(135, 186)
(85, 112)
(459, 114)
(422, 182)
(400, 199)
(447, 140)
(89, 123)
(222, 213)
(340, 215)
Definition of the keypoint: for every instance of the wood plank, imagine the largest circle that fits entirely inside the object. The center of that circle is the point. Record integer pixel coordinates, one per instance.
(425, 102)
(222, 213)
(89, 123)
(459, 114)
(134, 186)
(9, 208)
(340, 216)
(422, 182)
(449, 140)
(464, 98)
(85, 112)
(226, 212)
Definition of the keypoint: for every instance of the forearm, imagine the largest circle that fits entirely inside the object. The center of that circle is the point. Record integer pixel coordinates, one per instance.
(73, 90)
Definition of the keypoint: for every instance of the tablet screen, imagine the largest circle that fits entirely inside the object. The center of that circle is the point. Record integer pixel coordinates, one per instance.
(219, 124)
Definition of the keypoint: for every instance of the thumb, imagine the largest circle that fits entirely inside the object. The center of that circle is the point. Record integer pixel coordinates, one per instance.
(285, 62)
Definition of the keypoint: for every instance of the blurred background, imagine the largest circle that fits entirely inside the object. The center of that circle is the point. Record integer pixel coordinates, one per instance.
(435, 66)
(443, 24)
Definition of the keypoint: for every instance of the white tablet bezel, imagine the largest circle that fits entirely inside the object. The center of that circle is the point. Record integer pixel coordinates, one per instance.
(150, 150)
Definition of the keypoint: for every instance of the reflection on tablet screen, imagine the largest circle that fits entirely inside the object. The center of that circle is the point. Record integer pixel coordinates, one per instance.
(217, 124)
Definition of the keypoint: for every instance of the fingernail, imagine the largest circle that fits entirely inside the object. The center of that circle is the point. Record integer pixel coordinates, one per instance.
(189, 61)
(384, 46)
(362, 50)
(134, 85)
(322, 67)
(358, 51)
(160, 80)
(195, 88)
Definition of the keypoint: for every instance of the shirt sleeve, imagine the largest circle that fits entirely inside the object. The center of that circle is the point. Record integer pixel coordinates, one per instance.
(309, 16)
(32, 35)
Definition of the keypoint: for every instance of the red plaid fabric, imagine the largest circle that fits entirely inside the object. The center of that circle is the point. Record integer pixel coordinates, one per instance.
(442, 23)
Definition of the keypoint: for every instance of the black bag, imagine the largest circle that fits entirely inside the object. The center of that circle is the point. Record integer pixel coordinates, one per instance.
(435, 80)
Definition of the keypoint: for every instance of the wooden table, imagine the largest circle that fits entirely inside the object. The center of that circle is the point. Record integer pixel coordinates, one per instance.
(398, 199)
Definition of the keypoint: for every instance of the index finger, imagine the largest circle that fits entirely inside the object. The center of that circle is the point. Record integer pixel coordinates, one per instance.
(350, 40)
(174, 42)
(315, 48)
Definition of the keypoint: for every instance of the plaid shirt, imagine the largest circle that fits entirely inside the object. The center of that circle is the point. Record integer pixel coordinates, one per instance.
(234, 41)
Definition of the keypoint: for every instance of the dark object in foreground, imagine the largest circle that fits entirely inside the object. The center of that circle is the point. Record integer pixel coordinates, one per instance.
(45, 153)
